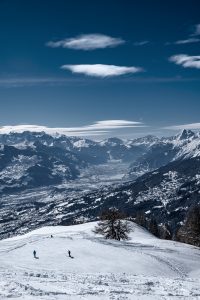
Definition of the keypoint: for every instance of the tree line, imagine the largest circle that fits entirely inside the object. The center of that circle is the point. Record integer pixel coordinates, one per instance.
(114, 224)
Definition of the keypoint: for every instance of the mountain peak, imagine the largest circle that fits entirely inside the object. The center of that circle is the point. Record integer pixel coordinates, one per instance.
(186, 134)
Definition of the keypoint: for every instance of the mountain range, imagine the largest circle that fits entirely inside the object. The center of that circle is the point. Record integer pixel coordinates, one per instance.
(49, 180)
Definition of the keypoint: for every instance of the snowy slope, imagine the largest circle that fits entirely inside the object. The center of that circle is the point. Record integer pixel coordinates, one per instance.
(142, 268)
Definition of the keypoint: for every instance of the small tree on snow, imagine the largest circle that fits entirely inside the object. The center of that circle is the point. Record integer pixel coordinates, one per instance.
(112, 225)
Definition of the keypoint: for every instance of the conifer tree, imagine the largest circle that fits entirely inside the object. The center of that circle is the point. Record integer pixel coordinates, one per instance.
(112, 225)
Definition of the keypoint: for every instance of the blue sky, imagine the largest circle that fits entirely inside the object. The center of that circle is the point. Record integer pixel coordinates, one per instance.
(100, 68)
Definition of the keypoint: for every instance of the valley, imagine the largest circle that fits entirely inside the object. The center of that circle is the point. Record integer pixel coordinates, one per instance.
(47, 180)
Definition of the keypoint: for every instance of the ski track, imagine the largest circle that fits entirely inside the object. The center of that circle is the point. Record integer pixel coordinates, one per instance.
(44, 284)
(108, 286)
(180, 272)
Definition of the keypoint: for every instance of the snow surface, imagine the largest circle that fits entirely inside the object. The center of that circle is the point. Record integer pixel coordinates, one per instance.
(143, 267)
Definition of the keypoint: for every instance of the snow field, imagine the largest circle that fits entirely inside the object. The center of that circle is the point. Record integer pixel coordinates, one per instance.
(142, 268)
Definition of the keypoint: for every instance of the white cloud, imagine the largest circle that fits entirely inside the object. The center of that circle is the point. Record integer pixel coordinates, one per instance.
(183, 126)
(87, 42)
(142, 43)
(188, 41)
(193, 38)
(112, 124)
(28, 82)
(99, 70)
(12, 82)
(186, 61)
(98, 128)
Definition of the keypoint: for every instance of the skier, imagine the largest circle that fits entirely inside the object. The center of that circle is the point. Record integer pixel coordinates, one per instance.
(34, 254)
(69, 253)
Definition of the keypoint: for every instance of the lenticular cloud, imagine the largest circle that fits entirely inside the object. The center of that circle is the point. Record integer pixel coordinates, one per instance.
(87, 42)
(99, 70)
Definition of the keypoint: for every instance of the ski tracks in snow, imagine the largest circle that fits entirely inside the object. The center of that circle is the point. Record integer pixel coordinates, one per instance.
(96, 286)
(21, 282)
(154, 252)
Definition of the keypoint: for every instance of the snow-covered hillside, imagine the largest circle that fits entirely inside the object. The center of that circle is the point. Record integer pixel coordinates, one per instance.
(142, 268)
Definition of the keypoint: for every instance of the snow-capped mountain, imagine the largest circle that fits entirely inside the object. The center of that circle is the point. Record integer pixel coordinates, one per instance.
(29, 160)
(94, 151)
(31, 167)
(166, 150)
(143, 154)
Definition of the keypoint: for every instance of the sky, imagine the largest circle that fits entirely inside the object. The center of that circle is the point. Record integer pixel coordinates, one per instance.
(100, 68)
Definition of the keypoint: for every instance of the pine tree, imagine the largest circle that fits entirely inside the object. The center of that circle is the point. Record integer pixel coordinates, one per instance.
(165, 232)
(140, 219)
(153, 227)
(112, 225)
(193, 220)
(190, 231)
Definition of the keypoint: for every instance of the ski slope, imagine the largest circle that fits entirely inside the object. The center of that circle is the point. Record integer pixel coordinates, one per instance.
(142, 268)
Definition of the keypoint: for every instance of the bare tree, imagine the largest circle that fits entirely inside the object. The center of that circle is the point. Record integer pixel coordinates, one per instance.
(112, 225)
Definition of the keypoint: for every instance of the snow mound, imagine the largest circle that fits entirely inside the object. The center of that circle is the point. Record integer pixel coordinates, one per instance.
(143, 267)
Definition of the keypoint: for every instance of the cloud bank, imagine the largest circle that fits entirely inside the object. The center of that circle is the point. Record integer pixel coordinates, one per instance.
(100, 70)
(186, 61)
(31, 82)
(87, 42)
(97, 128)
(183, 126)
(188, 41)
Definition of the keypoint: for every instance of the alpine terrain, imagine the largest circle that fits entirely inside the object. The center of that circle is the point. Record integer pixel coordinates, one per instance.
(143, 267)
(59, 180)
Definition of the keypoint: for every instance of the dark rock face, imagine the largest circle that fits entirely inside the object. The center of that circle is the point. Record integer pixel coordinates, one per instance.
(186, 134)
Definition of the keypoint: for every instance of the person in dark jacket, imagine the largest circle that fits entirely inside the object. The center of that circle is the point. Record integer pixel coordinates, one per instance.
(34, 254)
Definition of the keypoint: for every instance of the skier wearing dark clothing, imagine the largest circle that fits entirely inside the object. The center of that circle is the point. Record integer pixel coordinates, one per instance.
(69, 254)
(34, 254)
